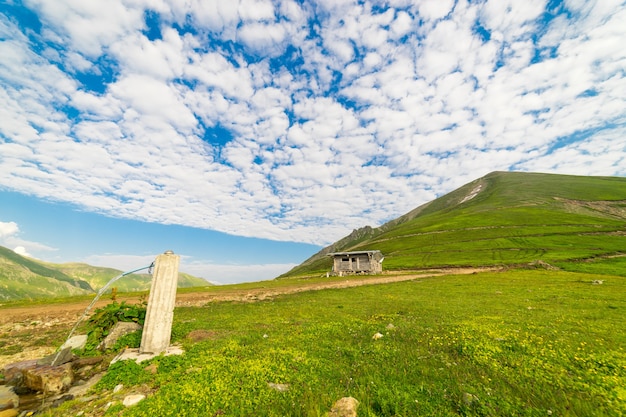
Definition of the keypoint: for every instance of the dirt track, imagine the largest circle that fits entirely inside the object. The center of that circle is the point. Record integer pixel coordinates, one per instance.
(69, 313)
(27, 332)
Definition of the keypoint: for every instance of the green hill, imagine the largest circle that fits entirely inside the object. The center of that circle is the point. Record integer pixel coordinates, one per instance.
(98, 277)
(25, 278)
(21, 277)
(505, 218)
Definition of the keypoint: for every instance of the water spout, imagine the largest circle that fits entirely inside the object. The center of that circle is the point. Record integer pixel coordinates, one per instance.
(98, 295)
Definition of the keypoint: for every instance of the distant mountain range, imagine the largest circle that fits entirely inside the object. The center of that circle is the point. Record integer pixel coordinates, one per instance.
(26, 278)
(503, 218)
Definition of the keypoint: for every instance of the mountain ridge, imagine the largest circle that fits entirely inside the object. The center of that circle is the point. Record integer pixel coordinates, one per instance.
(27, 278)
(542, 207)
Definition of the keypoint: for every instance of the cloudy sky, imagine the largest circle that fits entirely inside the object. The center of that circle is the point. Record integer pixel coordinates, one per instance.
(247, 134)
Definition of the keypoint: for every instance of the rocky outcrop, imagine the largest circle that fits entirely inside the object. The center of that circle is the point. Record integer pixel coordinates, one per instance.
(345, 407)
(48, 378)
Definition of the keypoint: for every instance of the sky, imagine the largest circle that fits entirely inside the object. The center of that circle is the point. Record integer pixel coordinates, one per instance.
(246, 135)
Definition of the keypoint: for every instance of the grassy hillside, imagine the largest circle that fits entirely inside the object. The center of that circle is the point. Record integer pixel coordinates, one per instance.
(98, 277)
(25, 278)
(21, 277)
(504, 218)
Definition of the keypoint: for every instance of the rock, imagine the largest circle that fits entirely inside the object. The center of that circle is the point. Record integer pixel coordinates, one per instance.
(278, 387)
(121, 328)
(377, 336)
(131, 400)
(76, 342)
(80, 390)
(390, 326)
(57, 358)
(469, 399)
(84, 362)
(345, 407)
(135, 355)
(14, 372)
(49, 379)
(118, 388)
(64, 398)
(8, 398)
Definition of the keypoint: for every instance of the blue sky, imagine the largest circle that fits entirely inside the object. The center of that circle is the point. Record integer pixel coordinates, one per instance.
(245, 135)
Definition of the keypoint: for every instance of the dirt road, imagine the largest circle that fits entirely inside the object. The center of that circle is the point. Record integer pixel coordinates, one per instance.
(35, 331)
(58, 314)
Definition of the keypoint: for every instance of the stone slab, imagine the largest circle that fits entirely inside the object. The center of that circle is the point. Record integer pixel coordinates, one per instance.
(137, 356)
(8, 398)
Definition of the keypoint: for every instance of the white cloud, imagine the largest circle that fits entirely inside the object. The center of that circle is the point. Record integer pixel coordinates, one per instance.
(21, 250)
(89, 26)
(9, 237)
(8, 229)
(435, 9)
(332, 122)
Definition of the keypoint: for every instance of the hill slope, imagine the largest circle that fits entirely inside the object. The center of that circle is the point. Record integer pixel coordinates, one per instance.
(98, 277)
(22, 277)
(504, 218)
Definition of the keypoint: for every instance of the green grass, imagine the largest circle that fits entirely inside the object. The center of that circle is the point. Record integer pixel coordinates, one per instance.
(603, 266)
(524, 343)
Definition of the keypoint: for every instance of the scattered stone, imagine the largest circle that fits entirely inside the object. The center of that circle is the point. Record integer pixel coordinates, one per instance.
(135, 355)
(539, 264)
(279, 387)
(345, 407)
(121, 328)
(390, 326)
(87, 399)
(61, 400)
(469, 399)
(49, 379)
(80, 390)
(377, 336)
(118, 388)
(133, 399)
(76, 342)
(57, 358)
(8, 398)
(598, 282)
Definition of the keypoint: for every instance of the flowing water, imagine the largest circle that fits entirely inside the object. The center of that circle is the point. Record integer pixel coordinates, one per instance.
(96, 298)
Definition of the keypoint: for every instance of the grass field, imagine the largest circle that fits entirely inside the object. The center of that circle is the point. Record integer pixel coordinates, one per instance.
(524, 343)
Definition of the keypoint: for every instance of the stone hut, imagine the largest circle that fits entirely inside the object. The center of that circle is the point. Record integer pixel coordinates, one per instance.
(357, 262)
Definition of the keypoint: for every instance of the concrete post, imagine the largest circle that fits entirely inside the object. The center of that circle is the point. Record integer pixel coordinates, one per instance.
(157, 329)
